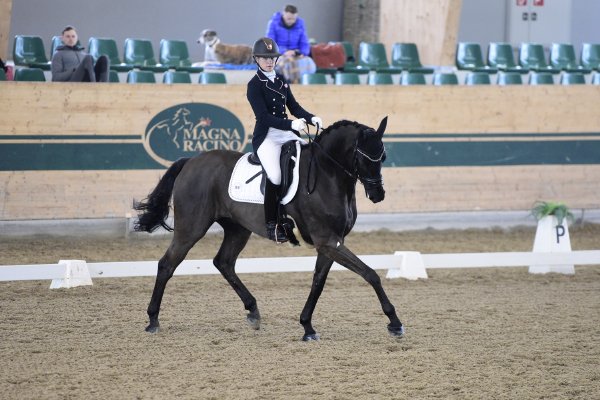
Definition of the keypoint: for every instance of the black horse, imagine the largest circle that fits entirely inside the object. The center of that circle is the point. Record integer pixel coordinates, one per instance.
(324, 210)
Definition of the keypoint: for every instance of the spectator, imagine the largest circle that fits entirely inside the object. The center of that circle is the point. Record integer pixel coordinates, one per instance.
(71, 64)
(287, 30)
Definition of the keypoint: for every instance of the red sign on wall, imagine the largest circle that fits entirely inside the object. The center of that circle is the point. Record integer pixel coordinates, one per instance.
(538, 3)
(521, 3)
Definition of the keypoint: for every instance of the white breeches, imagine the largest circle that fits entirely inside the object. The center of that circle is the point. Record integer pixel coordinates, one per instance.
(270, 150)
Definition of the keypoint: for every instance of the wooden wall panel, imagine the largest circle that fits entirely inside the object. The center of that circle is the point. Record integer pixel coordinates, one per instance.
(5, 40)
(432, 25)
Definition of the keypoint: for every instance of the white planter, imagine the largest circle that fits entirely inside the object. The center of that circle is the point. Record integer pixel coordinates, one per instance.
(550, 237)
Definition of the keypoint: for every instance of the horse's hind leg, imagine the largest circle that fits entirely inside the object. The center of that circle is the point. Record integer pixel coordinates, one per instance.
(178, 249)
(234, 241)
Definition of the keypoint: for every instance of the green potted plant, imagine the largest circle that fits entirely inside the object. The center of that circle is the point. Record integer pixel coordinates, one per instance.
(543, 209)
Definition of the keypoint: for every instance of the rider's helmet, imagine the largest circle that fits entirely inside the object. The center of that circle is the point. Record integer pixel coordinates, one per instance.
(265, 47)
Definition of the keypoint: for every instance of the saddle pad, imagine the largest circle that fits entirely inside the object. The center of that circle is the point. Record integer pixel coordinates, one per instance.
(249, 192)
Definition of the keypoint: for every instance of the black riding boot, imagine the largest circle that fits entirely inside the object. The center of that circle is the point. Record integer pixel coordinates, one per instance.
(274, 230)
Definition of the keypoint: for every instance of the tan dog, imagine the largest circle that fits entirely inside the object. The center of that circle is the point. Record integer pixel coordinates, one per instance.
(215, 51)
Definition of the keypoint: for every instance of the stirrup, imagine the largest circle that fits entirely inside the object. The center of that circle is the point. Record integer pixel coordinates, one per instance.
(276, 232)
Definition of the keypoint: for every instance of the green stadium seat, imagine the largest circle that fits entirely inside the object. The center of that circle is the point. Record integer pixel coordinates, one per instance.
(372, 57)
(346, 78)
(469, 57)
(380, 78)
(413, 78)
(590, 56)
(139, 53)
(500, 55)
(314, 79)
(177, 77)
(28, 51)
(174, 54)
(509, 78)
(208, 78)
(541, 78)
(445, 78)
(135, 76)
(30, 75)
(113, 76)
(533, 57)
(405, 56)
(350, 63)
(596, 78)
(562, 56)
(477, 78)
(572, 78)
(106, 46)
(2, 74)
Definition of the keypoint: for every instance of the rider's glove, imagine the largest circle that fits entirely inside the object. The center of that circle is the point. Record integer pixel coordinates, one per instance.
(299, 124)
(317, 122)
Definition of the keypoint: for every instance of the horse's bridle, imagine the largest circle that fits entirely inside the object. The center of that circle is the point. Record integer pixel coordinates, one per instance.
(368, 183)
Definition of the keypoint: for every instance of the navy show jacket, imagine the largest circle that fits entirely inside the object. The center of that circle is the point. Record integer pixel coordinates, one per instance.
(269, 100)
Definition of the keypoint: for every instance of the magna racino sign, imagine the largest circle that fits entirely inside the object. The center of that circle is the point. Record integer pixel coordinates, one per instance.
(187, 129)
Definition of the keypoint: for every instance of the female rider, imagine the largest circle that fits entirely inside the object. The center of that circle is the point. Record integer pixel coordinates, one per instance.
(269, 94)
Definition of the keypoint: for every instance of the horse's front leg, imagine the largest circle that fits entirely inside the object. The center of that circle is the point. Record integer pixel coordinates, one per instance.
(342, 255)
(322, 268)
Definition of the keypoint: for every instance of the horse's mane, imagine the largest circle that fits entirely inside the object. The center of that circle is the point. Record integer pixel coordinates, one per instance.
(340, 124)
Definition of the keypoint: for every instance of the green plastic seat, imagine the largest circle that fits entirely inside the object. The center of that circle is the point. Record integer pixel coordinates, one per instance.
(106, 46)
(28, 51)
(413, 78)
(500, 55)
(445, 78)
(136, 76)
(139, 53)
(562, 56)
(477, 78)
(372, 57)
(177, 77)
(533, 57)
(313, 79)
(405, 56)
(346, 78)
(175, 54)
(541, 78)
(208, 78)
(2, 74)
(572, 78)
(469, 57)
(30, 75)
(590, 56)
(380, 78)
(596, 78)
(113, 76)
(350, 63)
(509, 78)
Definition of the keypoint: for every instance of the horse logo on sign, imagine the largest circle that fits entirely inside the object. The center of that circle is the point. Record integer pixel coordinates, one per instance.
(185, 130)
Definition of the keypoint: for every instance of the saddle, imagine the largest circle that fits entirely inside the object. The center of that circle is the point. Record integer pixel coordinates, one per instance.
(287, 162)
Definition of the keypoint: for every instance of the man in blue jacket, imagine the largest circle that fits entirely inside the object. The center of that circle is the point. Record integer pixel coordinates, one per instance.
(288, 31)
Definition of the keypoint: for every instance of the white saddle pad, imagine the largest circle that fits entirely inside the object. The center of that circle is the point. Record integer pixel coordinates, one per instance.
(249, 192)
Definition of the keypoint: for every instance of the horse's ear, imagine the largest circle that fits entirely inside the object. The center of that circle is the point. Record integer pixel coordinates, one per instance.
(382, 126)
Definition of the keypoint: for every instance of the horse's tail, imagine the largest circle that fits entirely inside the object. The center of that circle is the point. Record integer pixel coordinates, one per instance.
(154, 210)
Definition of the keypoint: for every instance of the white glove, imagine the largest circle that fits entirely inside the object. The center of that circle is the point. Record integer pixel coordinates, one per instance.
(299, 124)
(317, 122)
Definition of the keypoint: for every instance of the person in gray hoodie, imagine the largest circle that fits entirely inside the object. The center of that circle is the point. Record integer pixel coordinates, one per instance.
(71, 64)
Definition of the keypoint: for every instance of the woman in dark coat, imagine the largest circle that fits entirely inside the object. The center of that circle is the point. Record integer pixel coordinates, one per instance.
(269, 95)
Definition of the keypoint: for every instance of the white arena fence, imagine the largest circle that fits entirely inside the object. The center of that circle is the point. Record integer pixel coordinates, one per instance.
(401, 264)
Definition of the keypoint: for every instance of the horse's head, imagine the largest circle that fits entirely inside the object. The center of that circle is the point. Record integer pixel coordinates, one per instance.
(370, 154)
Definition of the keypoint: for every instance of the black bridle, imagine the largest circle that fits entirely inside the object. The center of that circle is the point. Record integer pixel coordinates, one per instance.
(368, 183)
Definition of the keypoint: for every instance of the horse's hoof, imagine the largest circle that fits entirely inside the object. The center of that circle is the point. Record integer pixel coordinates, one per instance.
(313, 337)
(253, 322)
(396, 331)
(152, 329)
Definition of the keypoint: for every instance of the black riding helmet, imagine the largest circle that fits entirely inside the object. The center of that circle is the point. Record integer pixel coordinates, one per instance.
(265, 47)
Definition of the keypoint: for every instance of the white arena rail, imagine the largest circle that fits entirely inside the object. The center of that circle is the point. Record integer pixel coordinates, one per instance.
(405, 264)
